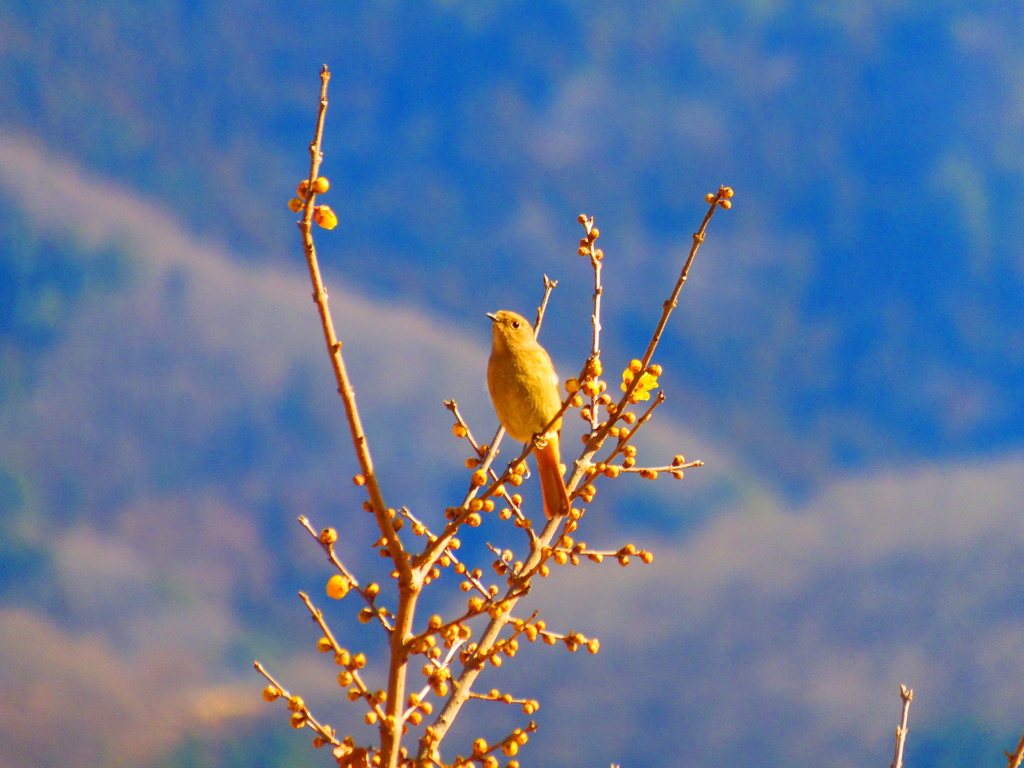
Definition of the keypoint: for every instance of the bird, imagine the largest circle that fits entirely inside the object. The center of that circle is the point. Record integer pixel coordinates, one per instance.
(524, 390)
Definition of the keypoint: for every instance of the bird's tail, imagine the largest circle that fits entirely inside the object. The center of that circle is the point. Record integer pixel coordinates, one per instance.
(556, 497)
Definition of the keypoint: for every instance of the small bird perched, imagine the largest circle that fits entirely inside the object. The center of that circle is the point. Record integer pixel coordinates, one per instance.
(524, 390)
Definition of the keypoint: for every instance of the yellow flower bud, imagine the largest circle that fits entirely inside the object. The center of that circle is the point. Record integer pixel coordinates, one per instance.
(325, 217)
(270, 693)
(338, 586)
(328, 536)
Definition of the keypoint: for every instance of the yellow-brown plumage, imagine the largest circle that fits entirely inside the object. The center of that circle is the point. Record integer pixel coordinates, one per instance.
(524, 390)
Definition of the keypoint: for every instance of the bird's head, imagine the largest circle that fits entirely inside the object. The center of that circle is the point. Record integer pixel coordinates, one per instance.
(510, 329)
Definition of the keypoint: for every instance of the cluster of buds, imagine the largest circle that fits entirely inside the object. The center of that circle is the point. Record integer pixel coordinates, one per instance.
(723, 198)
(483, 754)
(322, 214)
(348, 755)
(482, 751)
(587, 244)
(529, 705)
(571, 552)
(349, 678)
(537, 628)
(504, 566)
(426, 644)
(437, 678)
(591, 385)
(675, 468)
(300, 714)
(417, 709)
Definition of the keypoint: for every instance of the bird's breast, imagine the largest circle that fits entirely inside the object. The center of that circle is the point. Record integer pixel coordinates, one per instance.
(524, 389)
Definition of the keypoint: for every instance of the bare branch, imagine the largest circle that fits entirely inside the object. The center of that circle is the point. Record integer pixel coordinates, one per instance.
(907, 695)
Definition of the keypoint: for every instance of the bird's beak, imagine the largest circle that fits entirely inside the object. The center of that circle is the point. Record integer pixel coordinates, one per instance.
(494, 318)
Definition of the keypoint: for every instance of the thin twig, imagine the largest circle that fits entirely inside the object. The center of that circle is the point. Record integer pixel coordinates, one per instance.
(297, 705)
(907, 695)
(596, 256)
(665, 468)
(549, 286)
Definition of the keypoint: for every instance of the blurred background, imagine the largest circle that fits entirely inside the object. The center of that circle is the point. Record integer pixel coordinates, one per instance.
(847, 358)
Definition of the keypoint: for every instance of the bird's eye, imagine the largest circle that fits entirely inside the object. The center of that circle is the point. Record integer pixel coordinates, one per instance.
(515, 324)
